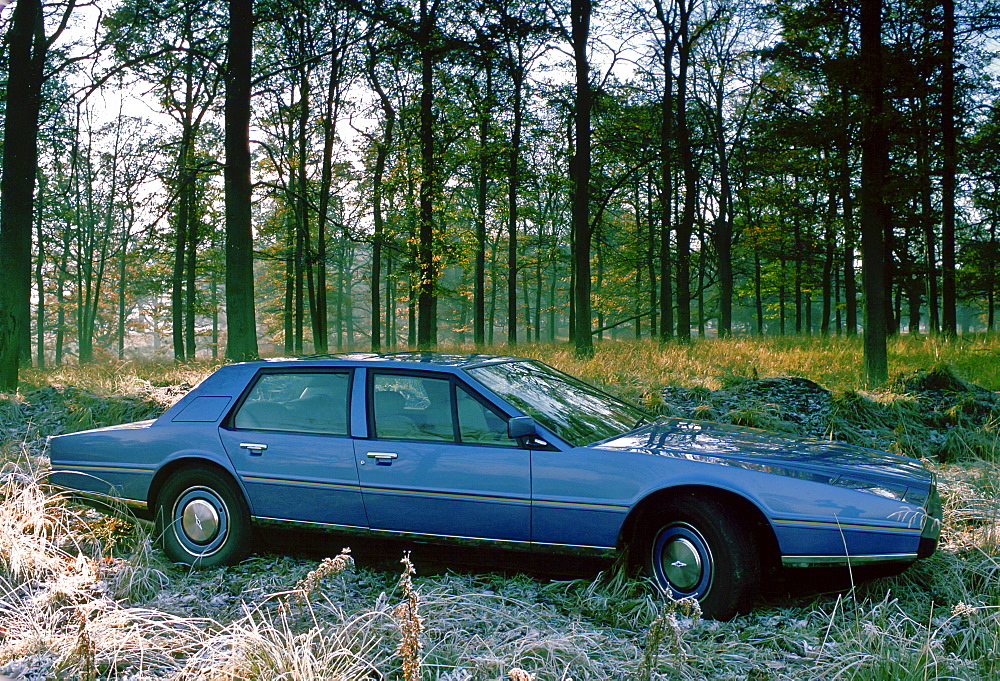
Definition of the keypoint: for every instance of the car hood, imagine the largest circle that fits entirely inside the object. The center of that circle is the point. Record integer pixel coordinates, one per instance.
(779, 453)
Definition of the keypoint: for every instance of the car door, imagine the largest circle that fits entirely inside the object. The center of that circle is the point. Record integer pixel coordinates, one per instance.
(289, 442)
(438, 461)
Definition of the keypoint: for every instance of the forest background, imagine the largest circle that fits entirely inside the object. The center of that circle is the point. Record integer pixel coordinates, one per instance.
(346, 174)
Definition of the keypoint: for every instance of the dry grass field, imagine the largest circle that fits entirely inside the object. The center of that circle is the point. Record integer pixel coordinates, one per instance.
(88, 596)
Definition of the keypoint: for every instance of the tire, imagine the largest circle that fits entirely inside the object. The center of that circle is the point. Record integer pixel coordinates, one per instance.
(203, 519)
(699, 548)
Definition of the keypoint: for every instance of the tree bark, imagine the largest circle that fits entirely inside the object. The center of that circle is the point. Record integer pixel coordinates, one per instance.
(830, 250)
(381, 156)
(874, 166)
(40, 286)
(847, 207)
(512, 187)
(949, 323)
(17, 187)
(685, 227)
(482, 193)
(241, 342)
(666, 175)
(580, 11)
(427, 268)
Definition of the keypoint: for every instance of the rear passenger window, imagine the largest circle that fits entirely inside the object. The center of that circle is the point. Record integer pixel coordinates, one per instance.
(302, 402)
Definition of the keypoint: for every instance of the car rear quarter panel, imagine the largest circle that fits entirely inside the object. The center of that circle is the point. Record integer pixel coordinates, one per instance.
(122, 463)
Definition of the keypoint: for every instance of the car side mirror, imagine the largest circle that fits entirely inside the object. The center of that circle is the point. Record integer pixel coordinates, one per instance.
(520, 426)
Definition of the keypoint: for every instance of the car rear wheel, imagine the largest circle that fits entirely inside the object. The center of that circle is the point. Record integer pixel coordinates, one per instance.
(699, 548)
(203, 519)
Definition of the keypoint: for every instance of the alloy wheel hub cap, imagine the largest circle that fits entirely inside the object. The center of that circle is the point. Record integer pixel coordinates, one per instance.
(682, 564)
(200, 521)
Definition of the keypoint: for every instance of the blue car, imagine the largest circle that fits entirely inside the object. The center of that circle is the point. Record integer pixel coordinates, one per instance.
(505, 452)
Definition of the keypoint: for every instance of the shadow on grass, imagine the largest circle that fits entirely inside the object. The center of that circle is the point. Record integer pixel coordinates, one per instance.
(432, 559)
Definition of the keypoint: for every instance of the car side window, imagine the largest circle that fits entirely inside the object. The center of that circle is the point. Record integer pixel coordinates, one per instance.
(424, 408)
(301, 402)
(412, 408)
(478, 423)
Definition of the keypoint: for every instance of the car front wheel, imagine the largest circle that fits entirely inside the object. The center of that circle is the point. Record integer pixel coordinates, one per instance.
(203, 519)
(701, 549)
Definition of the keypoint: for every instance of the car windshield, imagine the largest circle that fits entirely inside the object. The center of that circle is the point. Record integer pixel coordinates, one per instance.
(575, 411)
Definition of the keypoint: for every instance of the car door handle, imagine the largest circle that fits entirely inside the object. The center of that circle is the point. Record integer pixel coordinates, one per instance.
(382, 456)
(255, 448)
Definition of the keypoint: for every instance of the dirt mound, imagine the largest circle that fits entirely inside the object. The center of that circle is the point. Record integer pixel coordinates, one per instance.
(949, 395)
(939, 380)
(785, 403)
(931, 414)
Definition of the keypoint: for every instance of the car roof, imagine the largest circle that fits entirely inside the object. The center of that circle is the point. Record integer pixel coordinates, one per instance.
(438, 359)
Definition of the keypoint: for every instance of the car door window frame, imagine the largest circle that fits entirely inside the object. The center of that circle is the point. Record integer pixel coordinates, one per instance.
(454, 385)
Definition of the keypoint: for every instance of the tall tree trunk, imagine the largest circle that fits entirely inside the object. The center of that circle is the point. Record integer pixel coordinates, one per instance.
(185, 207)
(339, 308)
(685, 153)
(758, 295)
(891, 315)
(651, 219)
(61, 295)
(122, 283)
(949, 321)
(17, 186)
(838, 324)
(580, 11)
(40, 286)
(300, 264)
(482, 193)
(377, 240)
(847, 204)
(426, 308)
(512, 187)
(927, 217)
(85, 255)
(381, 157)
(320, 313)
(494, 279)
(874, 166)
(724, 230)
(553, 288)
(538, 282)
(666, 173)
(913, 290)
(288, 312)
(190, 285)
(797, 295)
(348, 292)
(241, 327)
(830, 250)
(702, 274)
(215, 317)
(303, 237)
(304, 283)
(637, 308)
(782, 300)
(390, 304)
